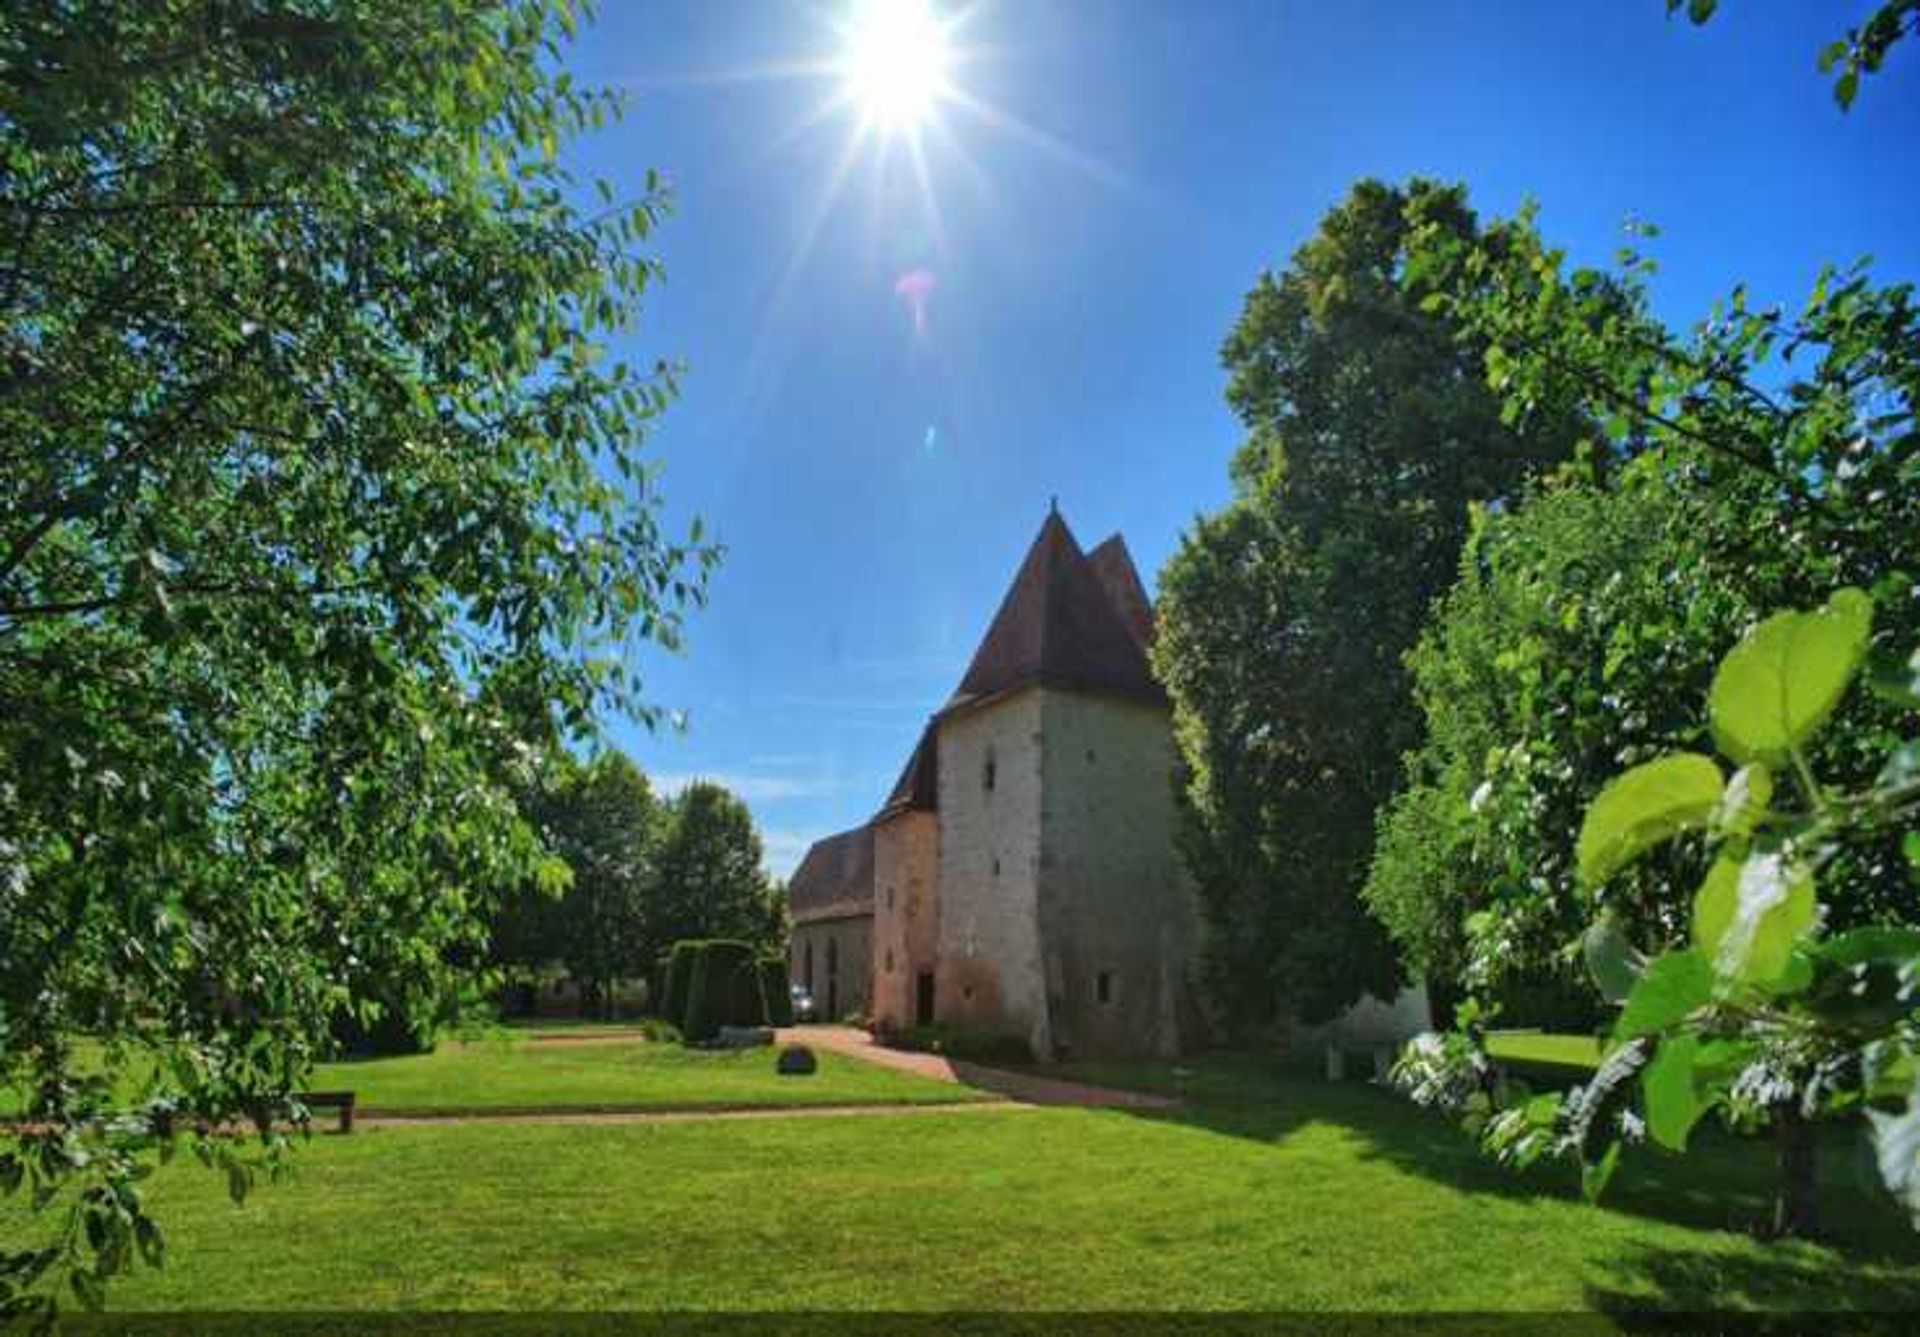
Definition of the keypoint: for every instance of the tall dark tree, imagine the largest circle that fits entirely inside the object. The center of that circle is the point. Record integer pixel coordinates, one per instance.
(1285, 617)
(322, 511)
(602, 821)
(710, 882)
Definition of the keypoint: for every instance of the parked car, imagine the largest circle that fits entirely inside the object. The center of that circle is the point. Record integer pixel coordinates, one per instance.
(803, 1008)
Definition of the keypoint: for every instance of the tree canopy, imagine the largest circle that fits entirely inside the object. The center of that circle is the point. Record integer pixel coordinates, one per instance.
(324, 514)
(1284, 618)
(645, 873)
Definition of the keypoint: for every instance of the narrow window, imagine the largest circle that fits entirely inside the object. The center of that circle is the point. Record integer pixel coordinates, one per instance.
(1103, 986)
(988, 773)
(996, 868)
(809, 970)
(889, 898)
(889, 960)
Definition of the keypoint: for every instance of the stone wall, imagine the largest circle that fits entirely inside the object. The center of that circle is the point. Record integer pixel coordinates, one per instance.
(1118, 914)
(840, 955)
(906, 915)
(990, 973)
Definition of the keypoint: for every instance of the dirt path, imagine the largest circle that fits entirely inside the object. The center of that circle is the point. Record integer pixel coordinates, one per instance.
(1023, 1088)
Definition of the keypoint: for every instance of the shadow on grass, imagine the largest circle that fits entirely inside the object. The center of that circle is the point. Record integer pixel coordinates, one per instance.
(1787, 1279)
(1724, 1182)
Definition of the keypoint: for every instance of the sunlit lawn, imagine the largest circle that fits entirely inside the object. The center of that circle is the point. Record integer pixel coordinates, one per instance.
(521, 1071)
(574, 1069)
(1267, 1191)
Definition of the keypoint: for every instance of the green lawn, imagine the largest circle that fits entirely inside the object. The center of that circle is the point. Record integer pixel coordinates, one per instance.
(572, 1068)
(520, 1071)
(1266, 1191)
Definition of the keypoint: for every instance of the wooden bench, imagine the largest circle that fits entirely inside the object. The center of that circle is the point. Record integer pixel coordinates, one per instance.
(316, 1101)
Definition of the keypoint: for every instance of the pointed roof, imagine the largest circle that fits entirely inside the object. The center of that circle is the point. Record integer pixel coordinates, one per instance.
(918, 788)
(1113, 565)
(1059, 627)
(835, 878)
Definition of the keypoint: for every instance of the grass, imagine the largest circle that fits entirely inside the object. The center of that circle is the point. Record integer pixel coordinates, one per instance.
(520, 1071)
(1267, 1191)
(586, 1070)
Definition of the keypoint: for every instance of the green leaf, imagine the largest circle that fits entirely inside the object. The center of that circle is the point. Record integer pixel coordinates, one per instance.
(1673, 986)
(1673, 1102)
(1895, 680)
(1750, 913)
(1649, 804)
(1595, 1175)
(1877, 943)
(1744, 804)
(1780, 683)
(1612, 961)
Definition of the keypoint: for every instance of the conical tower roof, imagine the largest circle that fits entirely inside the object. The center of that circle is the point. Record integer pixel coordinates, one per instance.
(1059, 627)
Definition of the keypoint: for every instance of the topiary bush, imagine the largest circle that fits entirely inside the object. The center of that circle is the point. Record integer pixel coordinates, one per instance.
(675, 978)
(723, 989)
(773, 985)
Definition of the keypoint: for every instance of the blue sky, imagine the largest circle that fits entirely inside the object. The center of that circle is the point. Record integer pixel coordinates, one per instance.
(1114, 180)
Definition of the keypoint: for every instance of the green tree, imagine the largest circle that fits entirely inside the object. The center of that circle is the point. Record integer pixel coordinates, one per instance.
(1787, 450)
(323, 514)
(709, 879)
(1861, 51)
(602, 820)
(1760, 461)
(1284, 618)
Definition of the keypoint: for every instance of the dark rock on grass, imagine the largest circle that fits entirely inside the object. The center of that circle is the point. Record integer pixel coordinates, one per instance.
(796, 1061)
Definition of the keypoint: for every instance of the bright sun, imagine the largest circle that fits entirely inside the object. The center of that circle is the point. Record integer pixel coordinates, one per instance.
(895, 62)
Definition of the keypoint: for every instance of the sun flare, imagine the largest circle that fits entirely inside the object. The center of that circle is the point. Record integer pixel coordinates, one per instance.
(894, 63)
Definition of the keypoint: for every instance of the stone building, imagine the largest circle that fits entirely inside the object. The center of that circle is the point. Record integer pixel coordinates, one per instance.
(831, 898)
(1021, 876)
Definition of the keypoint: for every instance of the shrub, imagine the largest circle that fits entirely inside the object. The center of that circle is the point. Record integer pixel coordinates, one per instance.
(660, 1032)
(677, 975)
(773, 984)
(968, 1044)
(723, 989)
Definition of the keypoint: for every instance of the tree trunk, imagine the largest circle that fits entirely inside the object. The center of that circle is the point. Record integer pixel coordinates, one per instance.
(1797, 1209)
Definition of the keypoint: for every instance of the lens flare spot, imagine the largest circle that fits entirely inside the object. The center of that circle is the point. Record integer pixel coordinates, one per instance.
(915, 288)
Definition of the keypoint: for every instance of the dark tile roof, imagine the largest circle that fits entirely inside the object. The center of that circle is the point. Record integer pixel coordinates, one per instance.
(918, 788)
(1058, 626)
(835, 878)
(1113, 566)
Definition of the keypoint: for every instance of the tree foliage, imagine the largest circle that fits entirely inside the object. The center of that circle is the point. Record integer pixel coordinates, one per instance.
(1763, 1012)
(1284, 618)
(1759, 462)
(601, 819)
(712, 882)
(645, 873)
(1861, 51)
(1751, 925)
(324, 513)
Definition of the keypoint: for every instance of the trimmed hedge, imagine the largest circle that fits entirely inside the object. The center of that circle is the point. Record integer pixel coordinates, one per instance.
(773, 984)
(723, 988)
(678, 974)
